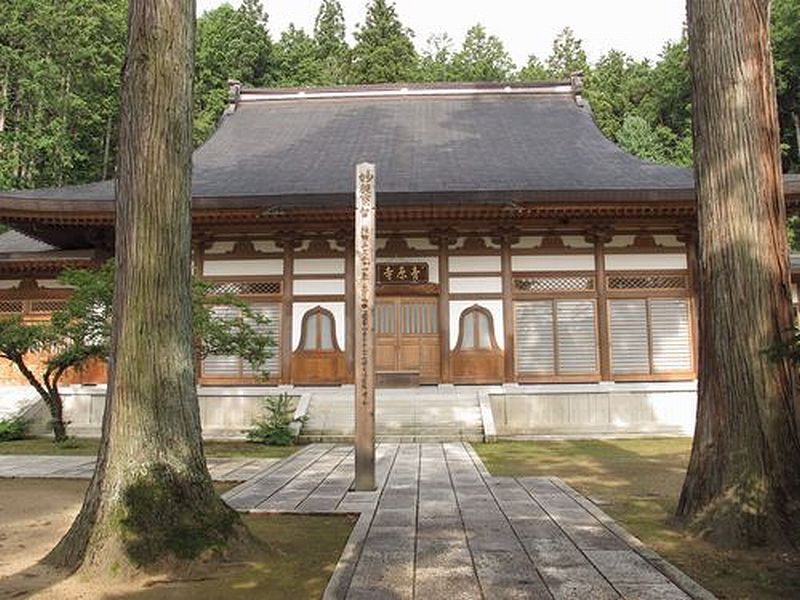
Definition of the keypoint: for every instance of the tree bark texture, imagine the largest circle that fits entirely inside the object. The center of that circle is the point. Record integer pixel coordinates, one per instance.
(151, 499)
(743, 482)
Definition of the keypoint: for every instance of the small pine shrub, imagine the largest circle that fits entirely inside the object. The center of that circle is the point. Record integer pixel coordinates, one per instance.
(274, 427)
(15, 428)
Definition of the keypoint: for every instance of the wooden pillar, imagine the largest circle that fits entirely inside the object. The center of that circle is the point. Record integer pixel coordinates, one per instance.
(365, 328)
(506, 239)
(600, 236)
(443, 239)
(688, 236)
(288, 243)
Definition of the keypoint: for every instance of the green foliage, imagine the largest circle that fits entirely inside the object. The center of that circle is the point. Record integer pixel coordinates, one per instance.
(567, 57)
(231, 43)
(482, 58)
(81, 331)
(296, 59)
(332, 50)
(14, 428)
(154, 524)
(786, 51)
(435, 62)
(274, 427)
(384, 52)
(534, 70)
(60, 65)
(59, 81)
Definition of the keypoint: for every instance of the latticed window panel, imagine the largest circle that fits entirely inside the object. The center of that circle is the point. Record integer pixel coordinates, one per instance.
(10, 307)
(247, 288)
(554, 284)
(647, 281)
(47, 306)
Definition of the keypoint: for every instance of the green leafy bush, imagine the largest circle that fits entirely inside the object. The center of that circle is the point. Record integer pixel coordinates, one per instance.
(15, 428)
(274, 428)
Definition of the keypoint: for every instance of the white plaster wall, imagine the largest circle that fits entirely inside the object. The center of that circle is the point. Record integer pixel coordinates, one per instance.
(220, 248)
(528, 242)
(472, 264)
(7, 284)
(476, 285)
(266, 246)
(301, 308)
(493, 306)
(576, 241)
(53, 284)
(319, 266)
(620, 241)
(420, 244)
(318, 287)
(641, 262)
(258, 266)
(669, 241)
(431, 261)
(486, 240)
(574, 262)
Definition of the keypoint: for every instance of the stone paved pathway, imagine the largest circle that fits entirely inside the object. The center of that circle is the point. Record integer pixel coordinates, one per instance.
(439, 526)
(82, 467)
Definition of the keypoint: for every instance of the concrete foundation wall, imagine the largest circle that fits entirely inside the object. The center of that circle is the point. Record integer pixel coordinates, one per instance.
(226, 413)
(597, 409)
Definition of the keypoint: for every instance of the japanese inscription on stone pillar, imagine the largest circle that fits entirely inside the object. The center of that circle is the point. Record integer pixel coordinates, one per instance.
(364, 326)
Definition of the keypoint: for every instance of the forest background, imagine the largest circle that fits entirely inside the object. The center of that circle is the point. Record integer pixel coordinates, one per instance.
(60, 65)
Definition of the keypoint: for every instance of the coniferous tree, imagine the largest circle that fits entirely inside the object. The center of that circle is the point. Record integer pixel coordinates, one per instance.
(59, 83)
(384, 51)
(743, 481)
(332, 50)
(231, 44)
(164, 511)
(296, 59)
(567, 56)
(786, 48)
(482, 58)
(534, 70)
(436, 61)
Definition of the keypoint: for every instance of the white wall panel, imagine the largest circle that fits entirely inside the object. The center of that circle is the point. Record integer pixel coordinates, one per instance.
(493, 306)
(476, 285)
(576, 241)
(7, 284)
(220, 248)
(668, 241)
(53, 284)
(317, 287)
(420, 244)
(472, 264)
(266, 246)
(573, 262)
(643, 262)
(301, 308)
(319, 266)
(258, 266)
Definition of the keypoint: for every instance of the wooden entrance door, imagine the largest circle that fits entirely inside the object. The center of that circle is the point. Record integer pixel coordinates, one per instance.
(407, 337)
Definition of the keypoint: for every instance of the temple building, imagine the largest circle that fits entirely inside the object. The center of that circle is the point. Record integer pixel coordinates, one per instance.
(530, 273)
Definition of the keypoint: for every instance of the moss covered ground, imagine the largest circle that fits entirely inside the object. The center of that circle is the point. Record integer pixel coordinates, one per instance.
(637, 482)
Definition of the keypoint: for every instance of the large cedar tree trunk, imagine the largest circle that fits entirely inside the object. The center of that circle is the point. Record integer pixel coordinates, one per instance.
(151, 499)
(743, 483)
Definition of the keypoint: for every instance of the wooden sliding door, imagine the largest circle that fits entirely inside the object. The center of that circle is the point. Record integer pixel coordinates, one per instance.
(407, 337)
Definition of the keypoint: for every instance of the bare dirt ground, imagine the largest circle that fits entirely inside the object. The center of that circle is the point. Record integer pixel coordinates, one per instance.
(34, 514)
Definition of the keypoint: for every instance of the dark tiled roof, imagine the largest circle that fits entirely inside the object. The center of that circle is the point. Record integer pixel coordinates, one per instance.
(294, 148)
(14, 242)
